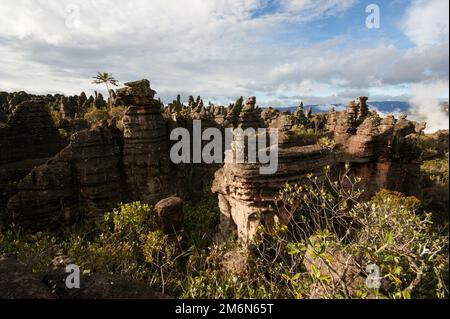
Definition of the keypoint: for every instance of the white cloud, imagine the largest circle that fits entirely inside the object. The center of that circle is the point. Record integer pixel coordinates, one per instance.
(426, 22)
(218, 49)
(425, 105)
(310, 9)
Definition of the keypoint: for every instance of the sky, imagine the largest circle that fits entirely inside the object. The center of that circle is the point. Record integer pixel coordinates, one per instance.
(281, 51)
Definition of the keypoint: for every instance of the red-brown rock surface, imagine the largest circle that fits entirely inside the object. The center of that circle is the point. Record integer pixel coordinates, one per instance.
(169, 212)
(146, 148)
(103, 166)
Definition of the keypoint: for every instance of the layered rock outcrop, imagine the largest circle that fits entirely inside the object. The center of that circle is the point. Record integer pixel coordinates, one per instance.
(384, 153)
(246, 198)
(82, 181)
(104, 166)
(146, 148)
(28, 139)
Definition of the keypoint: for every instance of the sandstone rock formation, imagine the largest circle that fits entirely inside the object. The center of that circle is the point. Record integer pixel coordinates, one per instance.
(146, 148)
(383, 152)
(82, 181)
(28, 139)
(104, 166)
(246, 198)
(169, 212)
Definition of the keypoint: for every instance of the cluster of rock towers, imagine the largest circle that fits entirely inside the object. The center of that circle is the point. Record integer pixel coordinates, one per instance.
(46, 181)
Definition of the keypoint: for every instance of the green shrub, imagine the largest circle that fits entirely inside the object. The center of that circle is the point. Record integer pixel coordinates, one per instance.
(436, 170)
(201, 219)
(396, 199)
(94, 115)
(132, 219)
(117, 112)
(403, 244)
(64, 134)
(56, 116)
(319, 219)
(386, 231)
(301, 131)
(326, 142)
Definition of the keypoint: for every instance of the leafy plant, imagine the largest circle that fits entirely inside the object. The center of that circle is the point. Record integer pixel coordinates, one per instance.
(107, 79)
(94, 115)
(319, 246)
(64, 134)
(56, 116)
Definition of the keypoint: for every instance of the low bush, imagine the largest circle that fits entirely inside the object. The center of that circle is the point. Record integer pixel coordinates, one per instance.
(436, 189)
(95, 115)
(321, 221)
(329, 221)
(56, 116)
(201, 219)
(64, 134)
(436, 170)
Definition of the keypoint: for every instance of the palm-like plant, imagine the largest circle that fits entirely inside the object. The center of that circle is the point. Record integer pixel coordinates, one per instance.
(107, 79)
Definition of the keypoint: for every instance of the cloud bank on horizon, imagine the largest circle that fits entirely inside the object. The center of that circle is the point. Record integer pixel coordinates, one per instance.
(282, 51)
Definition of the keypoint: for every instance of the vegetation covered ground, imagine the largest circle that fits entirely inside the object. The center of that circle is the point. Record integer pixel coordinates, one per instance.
(323, 252)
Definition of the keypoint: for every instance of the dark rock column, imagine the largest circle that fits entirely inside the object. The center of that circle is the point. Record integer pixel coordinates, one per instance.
(146, 147)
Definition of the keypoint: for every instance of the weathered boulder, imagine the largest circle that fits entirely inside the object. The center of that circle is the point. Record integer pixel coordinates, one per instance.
(169, 212)
(19, 282)
(94, 285)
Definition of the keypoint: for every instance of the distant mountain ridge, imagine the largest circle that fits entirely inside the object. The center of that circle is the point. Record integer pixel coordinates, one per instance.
(382, 106)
